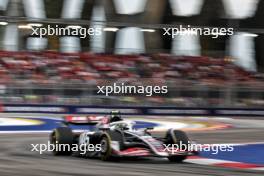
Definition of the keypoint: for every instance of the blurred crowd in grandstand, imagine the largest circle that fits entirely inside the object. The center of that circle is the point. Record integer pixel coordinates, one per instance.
(70, 78)
(57, 68)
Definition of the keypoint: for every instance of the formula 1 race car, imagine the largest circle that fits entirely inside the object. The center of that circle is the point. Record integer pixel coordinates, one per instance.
(115, 138)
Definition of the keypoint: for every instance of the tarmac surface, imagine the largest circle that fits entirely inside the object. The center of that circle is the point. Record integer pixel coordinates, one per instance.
(16, 157)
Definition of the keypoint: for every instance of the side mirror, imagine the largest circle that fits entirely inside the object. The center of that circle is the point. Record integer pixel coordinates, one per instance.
(125, 128)
(149, 128)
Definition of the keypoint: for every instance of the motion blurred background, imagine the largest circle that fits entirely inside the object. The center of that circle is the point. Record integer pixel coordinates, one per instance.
(200, 71)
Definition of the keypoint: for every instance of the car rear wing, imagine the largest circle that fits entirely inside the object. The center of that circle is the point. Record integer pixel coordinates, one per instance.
(85, 120)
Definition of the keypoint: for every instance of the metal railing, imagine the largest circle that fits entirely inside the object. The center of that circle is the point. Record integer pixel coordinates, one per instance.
(179, 94)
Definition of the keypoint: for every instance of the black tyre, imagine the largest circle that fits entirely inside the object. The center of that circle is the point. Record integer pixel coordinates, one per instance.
(106, 150)
(177, 137)
(63, 138)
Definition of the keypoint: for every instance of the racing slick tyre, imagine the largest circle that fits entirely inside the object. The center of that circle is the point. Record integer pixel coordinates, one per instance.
(62, 135)
(177, 137)
(106, 149)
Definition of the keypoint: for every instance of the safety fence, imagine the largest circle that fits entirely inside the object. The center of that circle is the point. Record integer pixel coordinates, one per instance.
(129, 110)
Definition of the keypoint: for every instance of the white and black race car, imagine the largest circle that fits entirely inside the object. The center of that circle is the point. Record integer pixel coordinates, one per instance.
(114, 138)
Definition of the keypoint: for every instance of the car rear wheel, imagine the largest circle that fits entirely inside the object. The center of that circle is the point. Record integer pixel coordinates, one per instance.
(177, 137)
(62, 140)
(106, 150)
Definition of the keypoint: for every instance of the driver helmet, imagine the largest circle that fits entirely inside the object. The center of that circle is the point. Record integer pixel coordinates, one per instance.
(115, 116)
